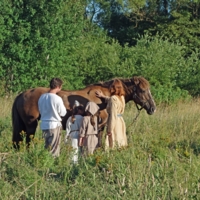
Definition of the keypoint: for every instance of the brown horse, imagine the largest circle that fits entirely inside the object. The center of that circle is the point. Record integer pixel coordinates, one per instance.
(25, 114)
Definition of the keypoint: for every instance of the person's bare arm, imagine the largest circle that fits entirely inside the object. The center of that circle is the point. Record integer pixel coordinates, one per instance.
(80, 141)
(100, 94)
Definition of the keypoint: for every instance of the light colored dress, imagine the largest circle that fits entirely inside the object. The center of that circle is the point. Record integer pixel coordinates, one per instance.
(72, 132)
(115, 123)
(89, 133)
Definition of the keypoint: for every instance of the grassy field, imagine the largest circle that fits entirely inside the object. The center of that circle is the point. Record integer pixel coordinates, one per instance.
(161, 162)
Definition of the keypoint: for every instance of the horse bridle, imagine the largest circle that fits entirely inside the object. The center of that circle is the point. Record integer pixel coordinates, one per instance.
(139, 109)
(136, 96)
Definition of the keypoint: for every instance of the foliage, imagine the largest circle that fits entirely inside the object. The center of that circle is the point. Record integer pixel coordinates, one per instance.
(40, 40)
(159, 61)
(127, 20)
(45, 39)
(189, 77)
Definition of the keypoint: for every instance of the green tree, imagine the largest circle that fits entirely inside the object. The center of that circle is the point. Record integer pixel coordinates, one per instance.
(38, 41)
(126, 21)
(159, 61)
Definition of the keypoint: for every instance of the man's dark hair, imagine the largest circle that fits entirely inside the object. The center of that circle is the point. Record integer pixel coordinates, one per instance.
(55, 82)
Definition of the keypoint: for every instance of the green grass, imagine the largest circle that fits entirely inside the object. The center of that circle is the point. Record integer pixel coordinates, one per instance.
(162, 161)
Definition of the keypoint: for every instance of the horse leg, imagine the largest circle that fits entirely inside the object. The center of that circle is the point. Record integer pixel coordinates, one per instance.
(30, 131)
(103, 121)
(100, 136)
(101, 128)
(18, 125)
(18, 130)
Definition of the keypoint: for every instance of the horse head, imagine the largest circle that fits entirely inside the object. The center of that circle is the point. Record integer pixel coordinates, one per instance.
(141, 95)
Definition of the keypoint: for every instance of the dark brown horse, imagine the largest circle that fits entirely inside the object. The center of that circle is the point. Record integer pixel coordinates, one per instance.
(25, 114)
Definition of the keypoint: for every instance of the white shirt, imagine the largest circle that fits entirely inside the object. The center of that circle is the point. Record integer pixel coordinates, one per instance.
(51, 108)
(73, 127)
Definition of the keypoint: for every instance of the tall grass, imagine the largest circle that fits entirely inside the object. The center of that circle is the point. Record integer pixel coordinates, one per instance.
(161, 161)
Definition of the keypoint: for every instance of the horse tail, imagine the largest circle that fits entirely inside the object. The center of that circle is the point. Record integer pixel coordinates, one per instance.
(17, 123)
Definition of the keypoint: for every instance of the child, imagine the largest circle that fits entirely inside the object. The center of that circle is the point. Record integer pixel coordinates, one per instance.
(72, 129)
(88, 131)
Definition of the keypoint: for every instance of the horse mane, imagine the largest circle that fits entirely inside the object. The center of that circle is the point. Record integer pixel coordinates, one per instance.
(128, 83)
(106, 84)
(143, 83)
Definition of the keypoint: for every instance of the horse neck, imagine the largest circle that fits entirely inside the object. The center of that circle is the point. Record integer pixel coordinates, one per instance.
(129, 88)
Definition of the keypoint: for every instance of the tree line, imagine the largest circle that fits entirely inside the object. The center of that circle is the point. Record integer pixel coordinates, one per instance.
(84, 42)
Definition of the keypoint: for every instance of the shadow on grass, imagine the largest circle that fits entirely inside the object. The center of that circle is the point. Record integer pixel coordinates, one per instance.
(186, 147)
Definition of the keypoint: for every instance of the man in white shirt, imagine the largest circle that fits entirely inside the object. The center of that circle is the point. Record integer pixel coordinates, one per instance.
(51, 108)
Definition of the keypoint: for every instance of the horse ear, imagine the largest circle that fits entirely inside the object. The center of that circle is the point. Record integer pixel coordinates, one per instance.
(136, 80)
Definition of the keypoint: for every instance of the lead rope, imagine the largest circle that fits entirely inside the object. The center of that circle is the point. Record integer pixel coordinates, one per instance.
(134, 120)
(137, 115)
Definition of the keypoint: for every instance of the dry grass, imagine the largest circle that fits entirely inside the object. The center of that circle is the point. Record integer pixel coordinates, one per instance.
(6, 106)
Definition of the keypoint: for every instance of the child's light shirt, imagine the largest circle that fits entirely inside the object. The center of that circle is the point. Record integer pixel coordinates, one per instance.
(72, 129)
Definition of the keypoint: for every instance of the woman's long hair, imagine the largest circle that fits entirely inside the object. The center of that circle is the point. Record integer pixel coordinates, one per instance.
(117, 88)
(92, 118)
(75, 111)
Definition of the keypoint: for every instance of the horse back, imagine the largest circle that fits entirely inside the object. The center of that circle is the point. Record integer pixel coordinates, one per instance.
(83, 96)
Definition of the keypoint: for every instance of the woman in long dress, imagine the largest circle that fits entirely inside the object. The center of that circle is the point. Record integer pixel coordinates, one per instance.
(116, 129)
